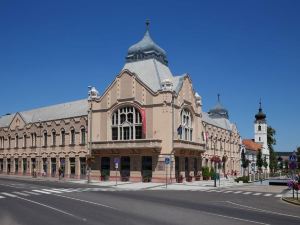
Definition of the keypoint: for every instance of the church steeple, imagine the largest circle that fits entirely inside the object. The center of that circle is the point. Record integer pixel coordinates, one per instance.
(260, 116)
(146, 49)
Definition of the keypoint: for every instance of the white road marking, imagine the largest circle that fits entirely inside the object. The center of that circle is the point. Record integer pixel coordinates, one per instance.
(237, 192)
(20, 193)
(43, 192)
(278, 196)
(247, 193)
(267, 195)
(262, 210)
(9, 195)
(1, 197)
(49, 190)
(32, 193)
(81, 200)
(257, 193)
(227, 192)
(67, 190)
(55, 209)
(236, 218)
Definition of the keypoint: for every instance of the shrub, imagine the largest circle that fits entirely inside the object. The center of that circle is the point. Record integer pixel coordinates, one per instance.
(245, 179)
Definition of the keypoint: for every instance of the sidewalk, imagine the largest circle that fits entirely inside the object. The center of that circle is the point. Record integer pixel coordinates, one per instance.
(195, 185)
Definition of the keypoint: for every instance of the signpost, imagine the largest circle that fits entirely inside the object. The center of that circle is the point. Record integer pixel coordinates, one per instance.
(116, 161)
(167, 162)
(293, 163)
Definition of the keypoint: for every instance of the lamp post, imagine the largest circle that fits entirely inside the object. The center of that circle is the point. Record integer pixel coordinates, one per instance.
(93, 94)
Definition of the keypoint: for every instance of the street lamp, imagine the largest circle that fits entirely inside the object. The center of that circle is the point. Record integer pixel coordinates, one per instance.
(93, 94)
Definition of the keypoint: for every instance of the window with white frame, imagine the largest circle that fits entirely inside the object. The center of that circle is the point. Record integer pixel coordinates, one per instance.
(186, 125)
(72, 138)
(127, 124)
(83, 136)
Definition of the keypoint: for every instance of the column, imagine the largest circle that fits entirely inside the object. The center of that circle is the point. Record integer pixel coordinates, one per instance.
(67, 167)
(49, 166)
(5, 165)
(77, 167)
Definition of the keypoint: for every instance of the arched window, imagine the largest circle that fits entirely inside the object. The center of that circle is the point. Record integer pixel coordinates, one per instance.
(63, 137)
(259, 127)
(45, 138)
(186, 125)
(126, 124)
(24, 140)
(53, 137)
(72, 138)
(83, 138)
(17, 141)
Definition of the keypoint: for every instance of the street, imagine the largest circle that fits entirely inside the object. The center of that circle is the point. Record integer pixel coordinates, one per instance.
(30, 202)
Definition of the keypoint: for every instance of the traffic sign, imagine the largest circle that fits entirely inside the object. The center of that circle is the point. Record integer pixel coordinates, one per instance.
(167, 160)
(293, 157)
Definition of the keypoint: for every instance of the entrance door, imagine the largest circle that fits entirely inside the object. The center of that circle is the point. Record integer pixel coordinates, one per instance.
(1, 165)
(195, 166)
(82, 168)
(16, 166)
(24, 166)
(147, 168)
(53, 167)
(105, 168)
(8, 166)
(45, 167)
(72, 167)
(186, 167)
(125, 168)
(177, 167)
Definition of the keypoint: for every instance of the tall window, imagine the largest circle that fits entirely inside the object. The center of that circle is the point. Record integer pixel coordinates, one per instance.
(9, 142)
(45, 137)
(1, 142)
(17, 141)
(53, 137)
(186, 125)
(126, 124)
(24, 141)
(63, 137)
(33, 139)
(72, 141)
(83, 141)
(259, 127)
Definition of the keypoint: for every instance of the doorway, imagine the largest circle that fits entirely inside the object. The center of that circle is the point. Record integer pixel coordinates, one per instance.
(146, 168)
(105, 168)
(125, 168)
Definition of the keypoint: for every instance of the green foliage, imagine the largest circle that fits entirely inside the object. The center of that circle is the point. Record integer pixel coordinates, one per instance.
(272, 141)
(245, 179)
(205, 172)
(259, 160)
(265, 163)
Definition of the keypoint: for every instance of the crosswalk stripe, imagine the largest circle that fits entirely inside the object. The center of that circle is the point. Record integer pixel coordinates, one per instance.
(32, 193)
(278, 196)
(1, 197)
(257, 193)
(67, 190)
(9, 195)
(227, 192)
(20, 193)
(44, 192)
(237, 192)
(52, 191)
(267, 195)
(247, 193)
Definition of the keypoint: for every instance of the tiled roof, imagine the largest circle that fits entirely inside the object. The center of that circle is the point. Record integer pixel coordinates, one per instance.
(54, 112)
(251, 145)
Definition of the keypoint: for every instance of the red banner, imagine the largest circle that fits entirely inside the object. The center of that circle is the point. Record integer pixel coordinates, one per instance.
(143, 114)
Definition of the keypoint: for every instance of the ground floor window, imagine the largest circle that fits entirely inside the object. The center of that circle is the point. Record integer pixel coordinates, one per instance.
(72, 167)
(105, 168)
(53, 167)
(24, 166)
(125, 168)
(16, 166)
(1, 165)
(146, 168)
(82, 167)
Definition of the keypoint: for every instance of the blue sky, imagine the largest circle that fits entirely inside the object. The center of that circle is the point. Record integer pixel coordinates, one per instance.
(50, 51)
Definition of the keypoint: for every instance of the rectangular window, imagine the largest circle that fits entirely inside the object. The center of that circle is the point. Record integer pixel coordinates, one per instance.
(45, 139)
(114, 133)
(191, 135)
(138, 132)
(24, 141)
(72, 137)
(83, 136)
(53, 138)
(125, 133)
(63, 137)
(17, 141)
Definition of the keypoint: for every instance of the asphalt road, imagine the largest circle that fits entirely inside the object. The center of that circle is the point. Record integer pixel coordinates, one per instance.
(27, 202)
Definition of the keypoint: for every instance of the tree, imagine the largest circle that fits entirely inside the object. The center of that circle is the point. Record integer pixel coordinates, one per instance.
(272, 141)
(259, 160)
(245, 162)
(298, 156)
(265, 163)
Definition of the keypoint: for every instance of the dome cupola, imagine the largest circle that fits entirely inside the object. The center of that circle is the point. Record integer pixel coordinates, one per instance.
(260, 116)
(146, 49)
(218, 111)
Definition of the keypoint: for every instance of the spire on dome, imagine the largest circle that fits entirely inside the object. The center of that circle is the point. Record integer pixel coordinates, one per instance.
(218, 111)
(260, 116)
(146, 49)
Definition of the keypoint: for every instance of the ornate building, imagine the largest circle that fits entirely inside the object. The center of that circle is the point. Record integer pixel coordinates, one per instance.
(145, 117)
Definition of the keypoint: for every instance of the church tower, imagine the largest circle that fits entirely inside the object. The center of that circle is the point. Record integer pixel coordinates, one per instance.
(260, 133)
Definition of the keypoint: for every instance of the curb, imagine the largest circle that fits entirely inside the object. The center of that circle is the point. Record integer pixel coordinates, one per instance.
(291, 202)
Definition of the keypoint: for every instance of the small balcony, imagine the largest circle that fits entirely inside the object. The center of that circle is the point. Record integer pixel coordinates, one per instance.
(128, 144)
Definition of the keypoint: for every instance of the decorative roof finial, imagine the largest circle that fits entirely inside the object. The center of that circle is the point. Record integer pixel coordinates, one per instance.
(147, 24)
(218, 97)
(260, 103)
